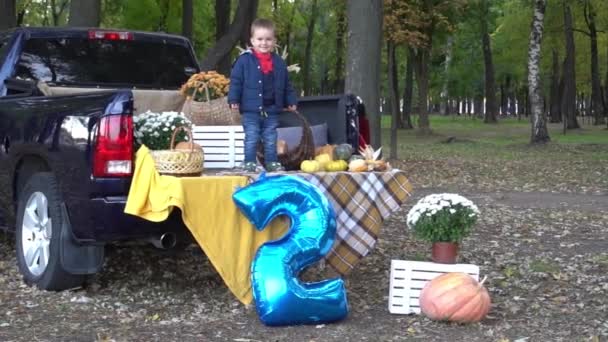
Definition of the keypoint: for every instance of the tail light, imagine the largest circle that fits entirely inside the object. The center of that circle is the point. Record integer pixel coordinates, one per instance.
(110, 35)
(113, 153)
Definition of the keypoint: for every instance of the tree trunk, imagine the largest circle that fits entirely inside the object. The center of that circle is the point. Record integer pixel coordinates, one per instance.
(540, 134)
(555, 107)
(478, 106)
(422, 78)
(85, 13)
(245, 12)
(490, 92)
(58, 9)
(246, 29)
(606, 96)
(340, 29)
(363, 58)
(8, 13)
(187, 15)
(408, 90)
(597, 106)
(310, 30)
(569, 74)
(444, 96)
(222, 24)
(503, 100)
(393, 91)
(287, 33)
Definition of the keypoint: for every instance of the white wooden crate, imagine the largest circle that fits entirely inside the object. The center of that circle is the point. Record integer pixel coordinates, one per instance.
(223, 145)
(409, 277)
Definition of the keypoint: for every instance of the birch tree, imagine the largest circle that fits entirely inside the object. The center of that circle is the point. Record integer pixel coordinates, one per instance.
(540, 135)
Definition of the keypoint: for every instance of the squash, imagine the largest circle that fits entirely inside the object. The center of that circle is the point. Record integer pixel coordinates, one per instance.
(186, 145)
(355, 157)
(343, 152)
(310, 166)
(357, 165)
(325, 149)
(336, 165)
(323, 159)
(455, 297)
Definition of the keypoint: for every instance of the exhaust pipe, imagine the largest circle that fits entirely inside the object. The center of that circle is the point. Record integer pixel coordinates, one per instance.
(165, 241)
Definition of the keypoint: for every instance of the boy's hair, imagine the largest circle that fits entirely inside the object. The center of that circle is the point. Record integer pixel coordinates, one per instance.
(262, 23)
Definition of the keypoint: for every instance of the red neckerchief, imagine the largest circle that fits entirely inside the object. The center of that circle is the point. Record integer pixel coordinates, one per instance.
(265, 61)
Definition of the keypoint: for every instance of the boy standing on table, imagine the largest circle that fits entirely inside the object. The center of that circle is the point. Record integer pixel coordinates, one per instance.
(260, 90)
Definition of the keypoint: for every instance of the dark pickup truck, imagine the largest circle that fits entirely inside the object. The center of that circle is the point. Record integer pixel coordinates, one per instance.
(67, 99)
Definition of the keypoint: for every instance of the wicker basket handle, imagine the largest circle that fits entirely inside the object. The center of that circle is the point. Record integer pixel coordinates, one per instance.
(188, 131)
(206, 88)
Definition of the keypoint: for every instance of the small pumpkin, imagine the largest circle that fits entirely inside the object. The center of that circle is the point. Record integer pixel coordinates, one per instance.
(325, 149)
(357, 165)
(343, 151)
(310, 166)
(323, 159)
(187, 145)
(355, 157)
(336, 165)
(455, 297)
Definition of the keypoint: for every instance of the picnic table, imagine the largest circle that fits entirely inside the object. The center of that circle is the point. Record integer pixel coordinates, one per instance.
(361, 201)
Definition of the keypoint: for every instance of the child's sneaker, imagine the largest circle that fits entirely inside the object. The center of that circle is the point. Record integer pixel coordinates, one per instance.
(274, 166)
(250, 167)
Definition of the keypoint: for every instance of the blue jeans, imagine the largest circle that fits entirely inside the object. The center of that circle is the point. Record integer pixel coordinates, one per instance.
(258, 127)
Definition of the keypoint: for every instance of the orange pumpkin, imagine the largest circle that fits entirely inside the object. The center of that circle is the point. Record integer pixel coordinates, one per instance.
(455, 297)
(185, 145)
(325, 149)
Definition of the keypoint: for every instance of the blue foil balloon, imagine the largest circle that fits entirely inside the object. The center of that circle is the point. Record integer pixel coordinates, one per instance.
(280, 297)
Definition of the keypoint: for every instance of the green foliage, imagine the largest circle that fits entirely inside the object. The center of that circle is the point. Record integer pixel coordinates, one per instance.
(444, 226)
(442, 217)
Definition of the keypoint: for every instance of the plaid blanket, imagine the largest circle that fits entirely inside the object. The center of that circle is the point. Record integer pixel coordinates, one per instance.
(362, 201)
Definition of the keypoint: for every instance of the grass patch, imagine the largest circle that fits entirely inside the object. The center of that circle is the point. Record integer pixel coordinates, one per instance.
(544, 266)
(601, 259)
(506, 140)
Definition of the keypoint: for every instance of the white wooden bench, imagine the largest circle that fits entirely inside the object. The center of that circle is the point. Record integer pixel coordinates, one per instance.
(223, 145)
(407, 278)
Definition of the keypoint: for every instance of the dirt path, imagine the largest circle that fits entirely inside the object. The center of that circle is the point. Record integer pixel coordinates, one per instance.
(545, 255)
(537, 200)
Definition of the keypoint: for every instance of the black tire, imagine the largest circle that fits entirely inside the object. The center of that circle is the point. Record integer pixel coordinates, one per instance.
(53, 277)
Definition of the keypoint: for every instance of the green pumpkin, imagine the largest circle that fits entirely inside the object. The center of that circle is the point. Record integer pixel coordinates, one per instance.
(355, 157)
(343, 152)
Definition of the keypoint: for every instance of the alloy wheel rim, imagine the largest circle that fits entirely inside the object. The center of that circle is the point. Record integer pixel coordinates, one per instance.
(36, 231)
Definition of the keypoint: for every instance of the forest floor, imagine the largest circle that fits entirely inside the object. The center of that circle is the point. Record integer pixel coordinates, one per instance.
(542, 240)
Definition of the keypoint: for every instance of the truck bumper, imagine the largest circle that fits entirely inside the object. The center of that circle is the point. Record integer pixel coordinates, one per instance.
(111, 223)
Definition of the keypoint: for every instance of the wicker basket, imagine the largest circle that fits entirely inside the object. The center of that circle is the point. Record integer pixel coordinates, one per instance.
(305, 150)
(180, 162)
(215, 112)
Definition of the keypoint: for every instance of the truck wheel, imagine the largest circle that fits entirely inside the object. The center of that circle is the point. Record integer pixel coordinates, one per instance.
(38, 235)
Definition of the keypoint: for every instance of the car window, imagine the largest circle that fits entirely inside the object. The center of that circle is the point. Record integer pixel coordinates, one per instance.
(110, 62)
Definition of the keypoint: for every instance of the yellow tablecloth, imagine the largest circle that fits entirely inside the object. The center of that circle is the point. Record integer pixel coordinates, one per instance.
(225, 235)
(361, 201)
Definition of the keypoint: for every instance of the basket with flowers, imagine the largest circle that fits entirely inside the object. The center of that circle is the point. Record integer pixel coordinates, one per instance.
(169, 137)
(206, 102)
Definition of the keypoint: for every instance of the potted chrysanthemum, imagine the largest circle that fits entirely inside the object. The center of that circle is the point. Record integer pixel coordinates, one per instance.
(155, 129)
(444, 220)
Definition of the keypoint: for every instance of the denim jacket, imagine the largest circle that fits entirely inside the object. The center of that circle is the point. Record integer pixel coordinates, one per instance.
(246, 87)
